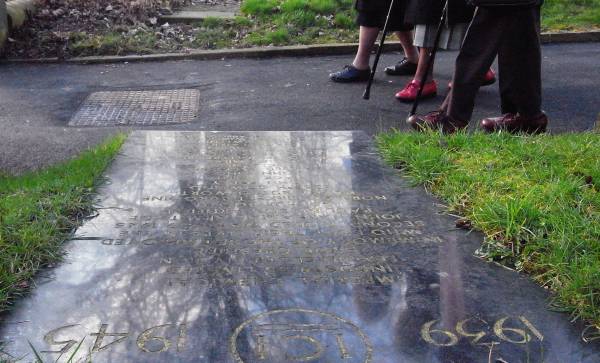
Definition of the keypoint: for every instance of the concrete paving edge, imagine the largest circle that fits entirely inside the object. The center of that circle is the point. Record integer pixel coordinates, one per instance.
(283, 51)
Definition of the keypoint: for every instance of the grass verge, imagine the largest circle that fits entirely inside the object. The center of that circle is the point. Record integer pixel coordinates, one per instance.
(39, 210)
(571, 15)
(537, 200)
(261, 23)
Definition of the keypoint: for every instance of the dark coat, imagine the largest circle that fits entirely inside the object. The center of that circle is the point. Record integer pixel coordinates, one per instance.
(430, 12)
(379, 6)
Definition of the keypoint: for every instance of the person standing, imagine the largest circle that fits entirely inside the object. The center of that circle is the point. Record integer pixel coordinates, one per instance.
(371, 19)
(512, 34)
(426, 14)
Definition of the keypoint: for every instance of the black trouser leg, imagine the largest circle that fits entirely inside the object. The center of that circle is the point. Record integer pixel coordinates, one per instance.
(513, 35)
(477, 54)
(519, 63)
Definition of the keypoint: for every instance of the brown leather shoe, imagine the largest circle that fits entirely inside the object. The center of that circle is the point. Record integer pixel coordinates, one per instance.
(515, 123)
(436, 120)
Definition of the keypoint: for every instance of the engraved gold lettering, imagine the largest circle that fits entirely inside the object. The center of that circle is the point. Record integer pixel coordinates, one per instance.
(146, 337)
(50, 339)
(532, 328)
(477, 336)
(318, 348)
(261, 351)
(102, 334)
(182, 337)
(426, 331)
(500, 330)
(344, 354)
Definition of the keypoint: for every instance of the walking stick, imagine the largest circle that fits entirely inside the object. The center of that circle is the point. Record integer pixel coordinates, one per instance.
(367, 93)
(432, 54)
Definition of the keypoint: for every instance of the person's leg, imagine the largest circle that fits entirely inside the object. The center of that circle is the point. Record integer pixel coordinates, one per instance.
(474, 59)
(477, 54)
(359, 70)
(422, 68)
(409, 92)
(410, 51)
(366, 39)
(407, 66)
(519, 60)
(424, 38)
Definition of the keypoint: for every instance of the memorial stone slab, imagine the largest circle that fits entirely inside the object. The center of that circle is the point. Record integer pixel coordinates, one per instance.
(271, 247)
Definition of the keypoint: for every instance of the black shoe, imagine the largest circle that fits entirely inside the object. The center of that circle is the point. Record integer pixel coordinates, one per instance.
(351, 74)
(402, 68)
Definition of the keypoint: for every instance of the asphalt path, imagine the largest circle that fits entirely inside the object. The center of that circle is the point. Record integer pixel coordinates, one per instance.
(37, 101)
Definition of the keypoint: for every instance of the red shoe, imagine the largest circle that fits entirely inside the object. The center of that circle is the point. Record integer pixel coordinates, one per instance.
(409, 93)
(488, 79)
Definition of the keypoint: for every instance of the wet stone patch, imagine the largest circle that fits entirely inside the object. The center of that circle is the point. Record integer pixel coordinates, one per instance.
(138, 108)
(278, 247)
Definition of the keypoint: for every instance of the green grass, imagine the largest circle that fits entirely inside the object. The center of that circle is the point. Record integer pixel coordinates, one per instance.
(39, 210)
(259, 7)
(571, 14)
(537, 200)
(284, 22)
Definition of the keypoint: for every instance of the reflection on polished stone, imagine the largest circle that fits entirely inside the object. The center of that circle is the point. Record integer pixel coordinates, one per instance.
(279, 247)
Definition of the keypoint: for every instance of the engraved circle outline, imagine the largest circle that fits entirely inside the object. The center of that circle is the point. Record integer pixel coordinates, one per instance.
(239, 329)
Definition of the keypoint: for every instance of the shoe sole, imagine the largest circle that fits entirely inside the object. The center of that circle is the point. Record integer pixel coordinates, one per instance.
(484, 84)
(341, 80)
(423, 97)
(488, 83)
(528, 131)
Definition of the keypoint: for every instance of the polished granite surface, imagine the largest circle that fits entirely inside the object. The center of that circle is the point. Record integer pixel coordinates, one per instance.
(271, 247)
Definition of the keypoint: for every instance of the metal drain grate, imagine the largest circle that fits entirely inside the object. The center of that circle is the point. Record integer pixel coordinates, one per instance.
(138, 108)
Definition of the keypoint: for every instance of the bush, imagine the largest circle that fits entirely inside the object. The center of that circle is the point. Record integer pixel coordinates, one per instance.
(344, 21)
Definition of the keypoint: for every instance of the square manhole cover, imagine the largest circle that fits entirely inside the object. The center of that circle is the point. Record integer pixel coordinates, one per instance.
(138, 108)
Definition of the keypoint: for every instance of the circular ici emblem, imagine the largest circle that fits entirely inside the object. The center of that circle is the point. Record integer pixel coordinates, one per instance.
(299, 335)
